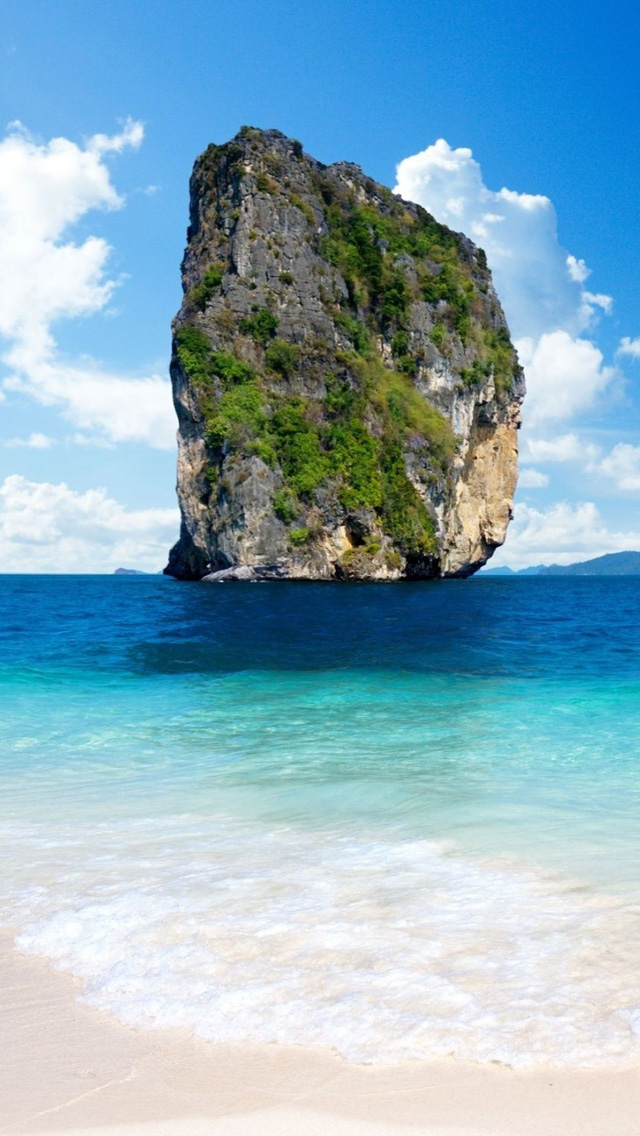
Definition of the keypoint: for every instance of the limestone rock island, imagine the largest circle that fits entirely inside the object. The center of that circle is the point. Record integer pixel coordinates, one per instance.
(347, 392)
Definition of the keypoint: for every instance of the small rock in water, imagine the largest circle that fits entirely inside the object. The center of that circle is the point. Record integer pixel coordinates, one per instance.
(245, 572)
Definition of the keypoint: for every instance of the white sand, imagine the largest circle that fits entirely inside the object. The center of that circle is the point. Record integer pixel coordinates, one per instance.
(66, 1068)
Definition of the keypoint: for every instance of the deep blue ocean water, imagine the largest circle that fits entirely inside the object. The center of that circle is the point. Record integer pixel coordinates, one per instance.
(401, 820)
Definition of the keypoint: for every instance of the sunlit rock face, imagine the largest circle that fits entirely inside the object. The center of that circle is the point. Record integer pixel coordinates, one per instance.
(347, 392)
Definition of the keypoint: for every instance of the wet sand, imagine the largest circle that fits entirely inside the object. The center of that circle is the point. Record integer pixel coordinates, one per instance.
(68, 1068)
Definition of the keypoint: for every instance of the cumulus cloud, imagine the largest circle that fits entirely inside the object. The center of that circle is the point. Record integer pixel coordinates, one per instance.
(52, 528)
(562, 534)
(89, 440)
(578, 270)
(539, 284)
(563, 448)
(532, 479)
(121, 409)
(622, 465)
(33, 442)
(630, 347)
(564, 375)
(45, 276)
(598, 300)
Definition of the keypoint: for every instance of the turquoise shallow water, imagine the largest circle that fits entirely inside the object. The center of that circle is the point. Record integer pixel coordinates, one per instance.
(400, 820)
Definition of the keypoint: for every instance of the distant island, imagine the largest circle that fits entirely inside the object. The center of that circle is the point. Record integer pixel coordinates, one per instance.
(612, 564)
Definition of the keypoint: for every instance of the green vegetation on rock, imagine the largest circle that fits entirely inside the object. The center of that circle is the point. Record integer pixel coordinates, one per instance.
(261, 326)
(438, 335)
(500, 356)
(304, 208)
(211, 281)
(355, 244)
(374, 250)
(239, 418)
(296, 441)
(404, 514)
(194, 353)
(266, 184)
(282, 357)
(230, 370)
(354, 458)
(299, 536)
(366, 469)
(355, 330)
(286, 505)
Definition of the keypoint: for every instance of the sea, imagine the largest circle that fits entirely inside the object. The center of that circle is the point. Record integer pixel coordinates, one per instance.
(398, 820)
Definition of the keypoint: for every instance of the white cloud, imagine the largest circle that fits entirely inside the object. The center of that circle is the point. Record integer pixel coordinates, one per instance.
(45, 189)
(532, 479)
(122, 410)
(622, 465)
(564, 448)
(89, 440)
(630, 347)
(562, 534)
(132, 134)
(539, 284)
(564, 375)
(33, 442)
(598, 300)
(52, 528)
(578, 270)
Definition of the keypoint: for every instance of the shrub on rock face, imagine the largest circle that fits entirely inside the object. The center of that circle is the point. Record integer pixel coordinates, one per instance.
(261, 326)
(299, 536)
(286, 505)
(266, 184)
(438, 334)
(211, 281)
(281, 357)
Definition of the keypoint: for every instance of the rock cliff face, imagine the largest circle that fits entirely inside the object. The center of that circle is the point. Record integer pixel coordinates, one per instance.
(347, 393)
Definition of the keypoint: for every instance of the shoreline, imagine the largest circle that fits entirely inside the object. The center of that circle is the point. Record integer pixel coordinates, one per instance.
(68, 1068)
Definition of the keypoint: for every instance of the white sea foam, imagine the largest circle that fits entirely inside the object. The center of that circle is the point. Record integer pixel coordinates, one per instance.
(384, 949)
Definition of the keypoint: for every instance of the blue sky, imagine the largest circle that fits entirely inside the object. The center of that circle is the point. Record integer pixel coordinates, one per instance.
(545, 97)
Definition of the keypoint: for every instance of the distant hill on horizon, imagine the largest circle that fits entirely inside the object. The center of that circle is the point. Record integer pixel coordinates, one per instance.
(611, 564)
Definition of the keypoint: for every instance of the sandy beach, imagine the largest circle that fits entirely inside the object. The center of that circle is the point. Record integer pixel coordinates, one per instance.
(67, 1068)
